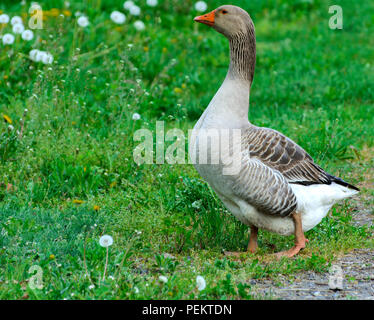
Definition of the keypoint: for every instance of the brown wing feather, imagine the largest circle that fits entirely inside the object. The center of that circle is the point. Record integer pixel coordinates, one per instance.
(281, 153)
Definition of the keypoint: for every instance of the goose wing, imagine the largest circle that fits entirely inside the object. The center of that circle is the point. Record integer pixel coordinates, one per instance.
(278, 152)
(264, 188)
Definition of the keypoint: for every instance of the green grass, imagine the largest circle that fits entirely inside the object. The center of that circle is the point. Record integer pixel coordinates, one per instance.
(314, 84)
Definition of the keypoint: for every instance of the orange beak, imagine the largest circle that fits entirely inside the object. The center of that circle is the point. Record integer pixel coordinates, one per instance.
(207, 19)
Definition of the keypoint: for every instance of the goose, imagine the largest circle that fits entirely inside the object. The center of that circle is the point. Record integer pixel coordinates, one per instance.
(276, 185)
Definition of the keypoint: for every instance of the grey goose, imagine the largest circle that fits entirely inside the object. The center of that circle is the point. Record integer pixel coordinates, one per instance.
(277, 186)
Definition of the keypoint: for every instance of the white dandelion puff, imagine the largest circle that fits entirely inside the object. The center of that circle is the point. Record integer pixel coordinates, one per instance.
(152, 3)
(32, 54)
(4, 18)
(78, 14)
(128, 4)
(200, 283)
(27, 35)
(118, 17)
(135, 10)
(18, 28)
(163, 279)
(8, 39)
(16, 20)
(106, 241)
(39, 55)
(136, 290)
(83, 21)
(139, 25)
(47, 58)
(201, 6)
(36, 55)
(136, 116)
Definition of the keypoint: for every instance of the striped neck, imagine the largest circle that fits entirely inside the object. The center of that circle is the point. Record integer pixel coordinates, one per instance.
(243, 54)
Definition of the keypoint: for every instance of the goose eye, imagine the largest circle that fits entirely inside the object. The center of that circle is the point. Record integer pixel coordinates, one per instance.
(224, 11)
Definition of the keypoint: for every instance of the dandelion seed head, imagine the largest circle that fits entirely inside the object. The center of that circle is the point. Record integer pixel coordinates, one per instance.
(106, 241)
(83, 21)
(16, 20)
(8, 39)
(200, 283)
(152, 3)
(18, 28)
(201, 6)
(135, 10)
(33, 53)
(163, 279)
(118, 17)
(39, 55)
(139, 25)
(27, 35)
(4, 18)
(128, 4)
(136, 116)
(46, 58)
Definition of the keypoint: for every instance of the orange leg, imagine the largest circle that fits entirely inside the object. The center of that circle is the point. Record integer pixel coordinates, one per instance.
(300, 239)
(252, 245)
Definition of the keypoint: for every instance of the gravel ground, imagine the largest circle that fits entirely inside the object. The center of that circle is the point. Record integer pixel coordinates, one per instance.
(357, 268)
(358, 281)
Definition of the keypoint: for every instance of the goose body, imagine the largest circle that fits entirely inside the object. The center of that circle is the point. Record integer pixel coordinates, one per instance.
(276, 185)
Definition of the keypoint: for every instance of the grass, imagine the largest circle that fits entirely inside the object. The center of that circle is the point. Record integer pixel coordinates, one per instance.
(71, 178)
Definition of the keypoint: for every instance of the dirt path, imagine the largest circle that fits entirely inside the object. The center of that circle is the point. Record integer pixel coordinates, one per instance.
(357, 266)
(358, 282)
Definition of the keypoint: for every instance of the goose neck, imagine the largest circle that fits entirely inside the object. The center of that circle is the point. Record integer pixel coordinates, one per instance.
(243, 55)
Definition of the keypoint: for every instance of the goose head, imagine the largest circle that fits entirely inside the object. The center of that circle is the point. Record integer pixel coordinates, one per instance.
(228, 20)
(236, 25)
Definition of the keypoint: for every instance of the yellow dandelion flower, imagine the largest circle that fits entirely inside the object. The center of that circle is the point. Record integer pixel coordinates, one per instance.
(96, 208)
(164, 50)
(84, 169)
(73, 123)
(6, 77)
(76, 201)
(52, 257)
(184, 86)
(67, 13)
(118, 29)
(178, 90)
(7, 119)
(200, 37)
(146, 49)
(54, 12)
(113, 184)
